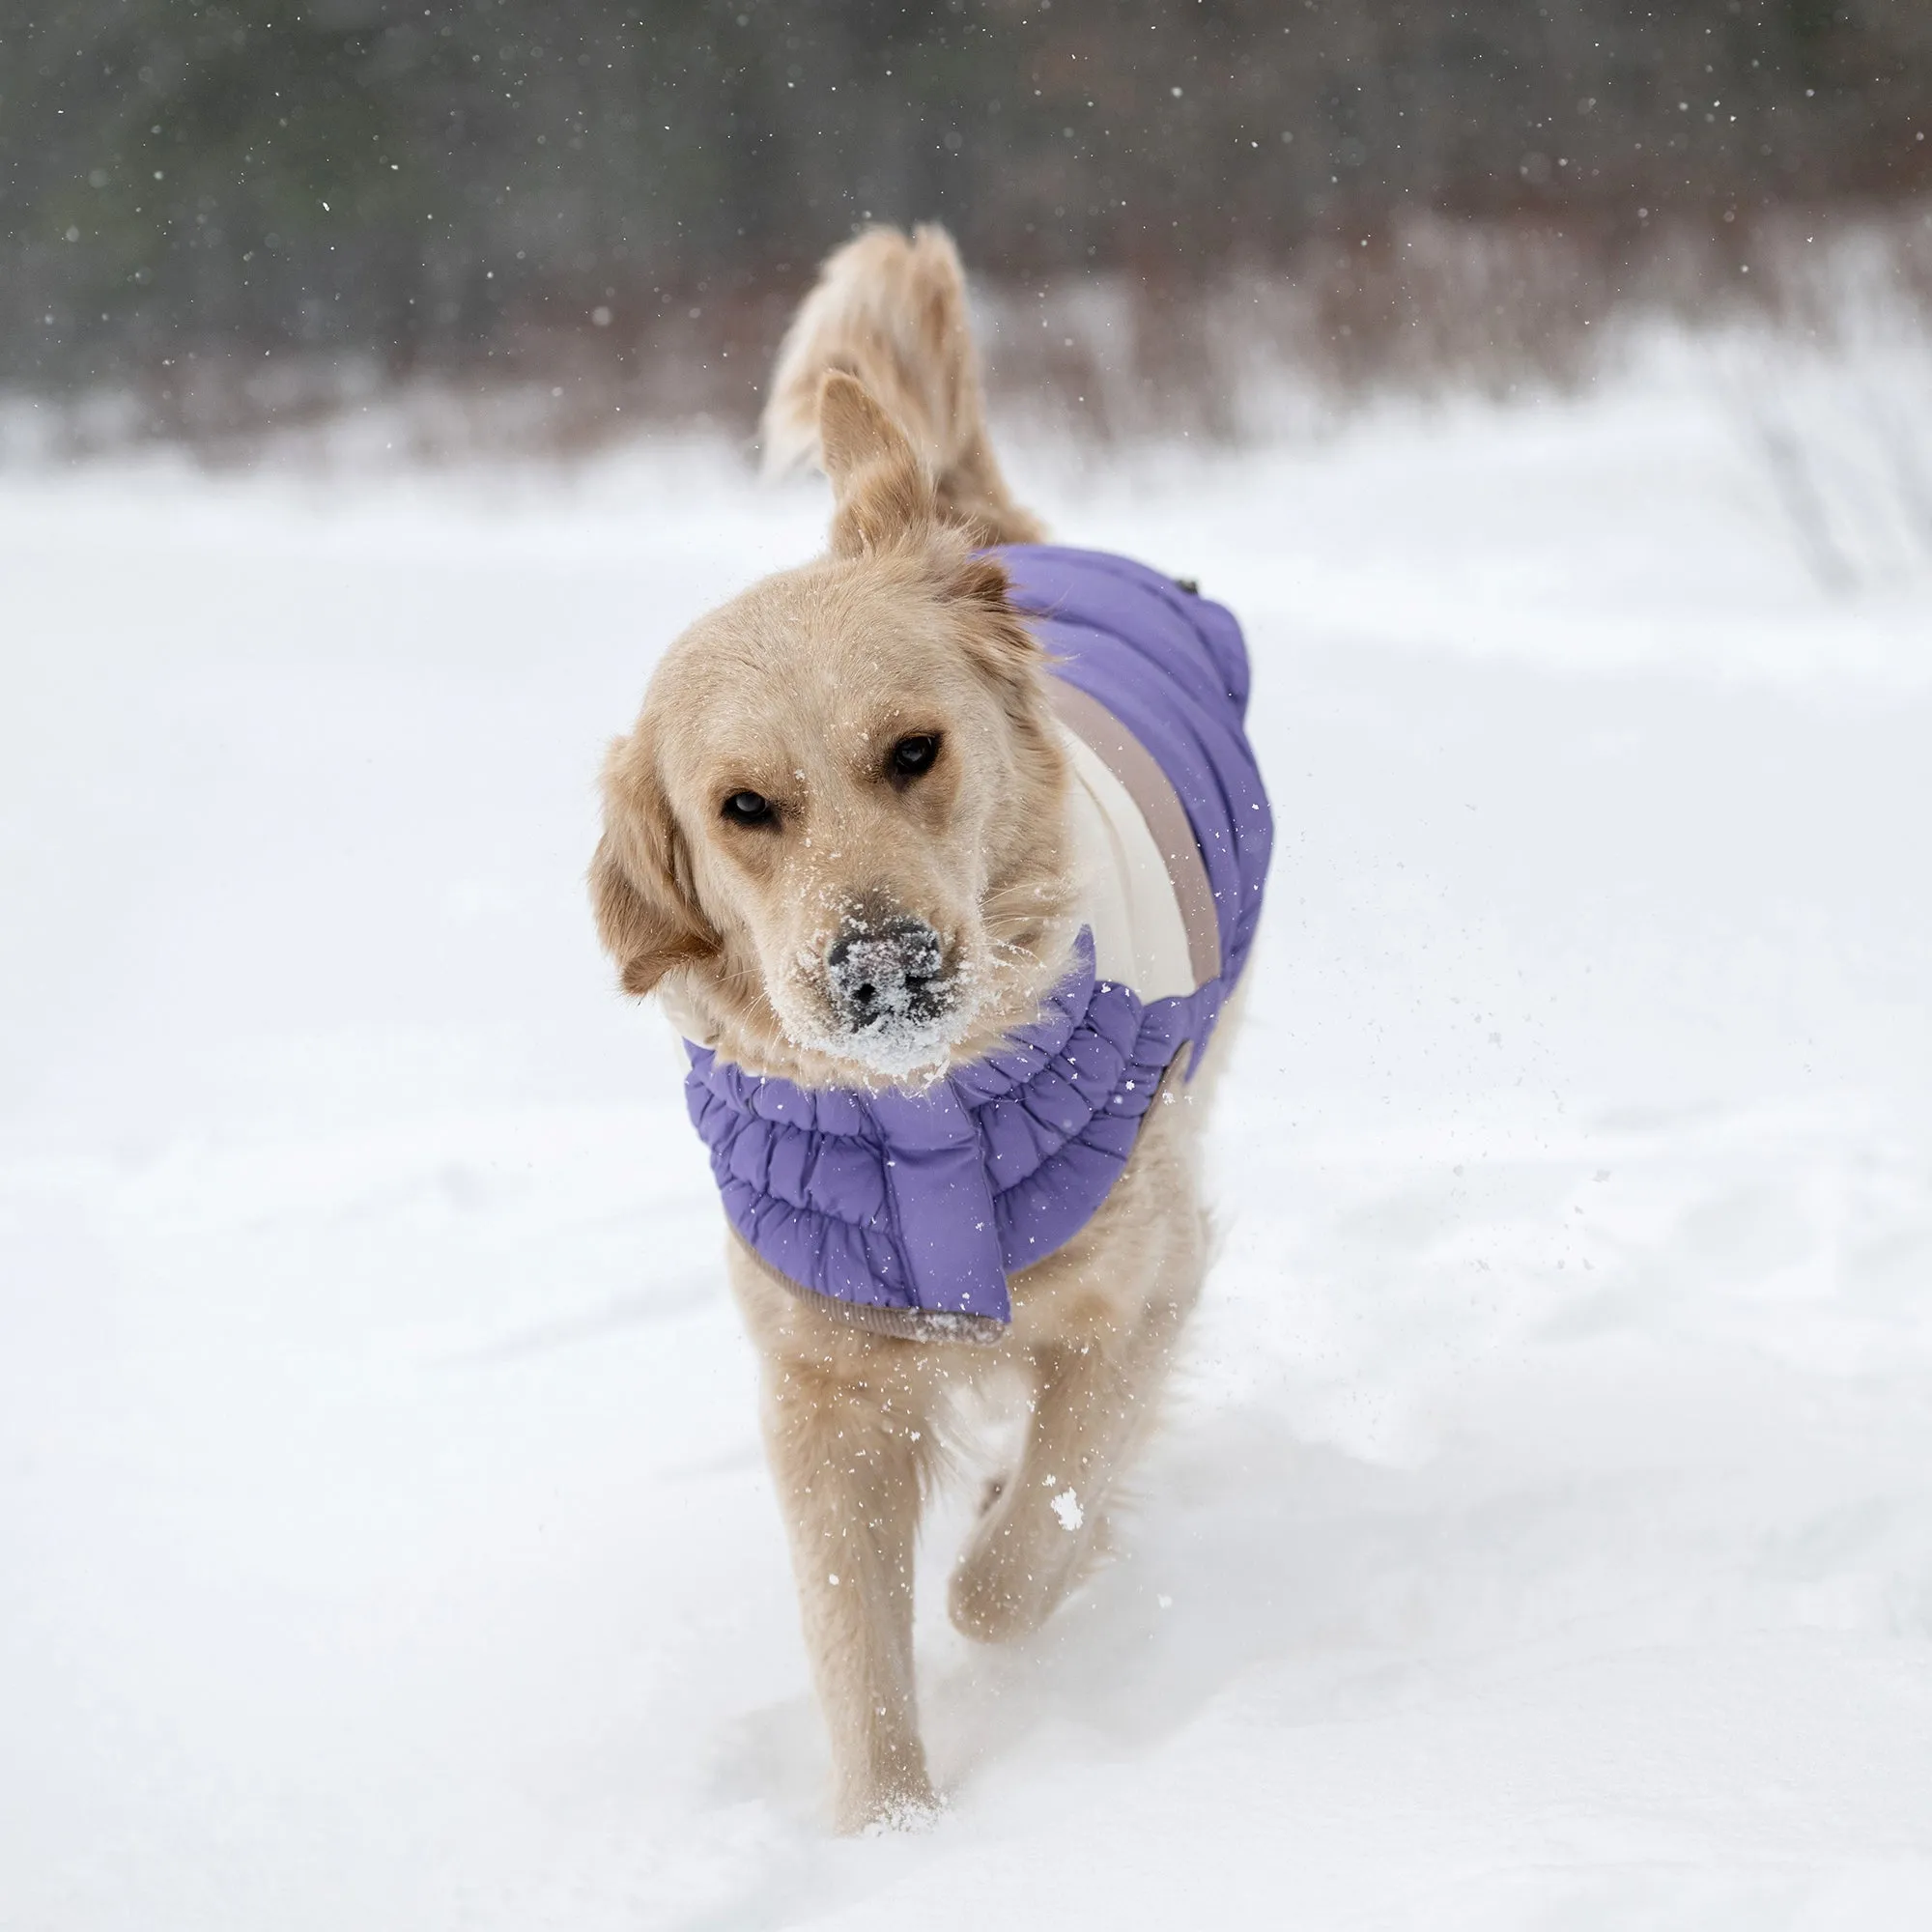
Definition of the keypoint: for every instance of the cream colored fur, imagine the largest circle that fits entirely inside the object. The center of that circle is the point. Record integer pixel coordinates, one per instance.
(893, 313)
(796, 690)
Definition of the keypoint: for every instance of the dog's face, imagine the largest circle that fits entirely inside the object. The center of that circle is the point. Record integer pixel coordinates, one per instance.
(837, 823)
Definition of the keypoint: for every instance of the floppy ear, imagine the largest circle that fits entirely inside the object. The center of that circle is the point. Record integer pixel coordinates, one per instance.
(883, 492)
(994, 633)
(648, 915)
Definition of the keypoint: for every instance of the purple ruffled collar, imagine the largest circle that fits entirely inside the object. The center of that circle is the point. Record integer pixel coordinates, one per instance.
(910, 1210)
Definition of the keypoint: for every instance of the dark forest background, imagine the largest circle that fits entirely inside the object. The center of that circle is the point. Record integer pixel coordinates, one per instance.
(491, 185)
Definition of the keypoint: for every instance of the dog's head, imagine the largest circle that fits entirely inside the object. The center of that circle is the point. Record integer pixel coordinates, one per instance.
(834, 833)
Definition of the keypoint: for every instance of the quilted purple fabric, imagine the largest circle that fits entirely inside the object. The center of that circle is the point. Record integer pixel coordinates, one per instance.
(913, 1209)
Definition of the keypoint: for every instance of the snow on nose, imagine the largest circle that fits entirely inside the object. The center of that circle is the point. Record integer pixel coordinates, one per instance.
(886, 969)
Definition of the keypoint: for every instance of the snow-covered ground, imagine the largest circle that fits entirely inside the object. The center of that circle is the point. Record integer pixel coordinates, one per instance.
(1543, 1532)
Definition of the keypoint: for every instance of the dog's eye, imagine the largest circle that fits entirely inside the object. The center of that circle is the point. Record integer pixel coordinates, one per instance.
(912, 757)
(747, 807)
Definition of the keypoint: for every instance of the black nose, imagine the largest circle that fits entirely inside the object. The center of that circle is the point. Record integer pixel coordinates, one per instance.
(887, 968)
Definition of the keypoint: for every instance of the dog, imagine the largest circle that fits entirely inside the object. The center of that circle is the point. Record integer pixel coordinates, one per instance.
(949, 943)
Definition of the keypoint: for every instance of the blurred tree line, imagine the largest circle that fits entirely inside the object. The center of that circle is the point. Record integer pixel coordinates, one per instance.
(433, 183)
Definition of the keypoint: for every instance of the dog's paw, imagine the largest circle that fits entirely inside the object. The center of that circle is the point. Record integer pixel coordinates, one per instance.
(909, 1804)
(983, 1609)
(1019, 1565)
(992, 1599)
(905, 1815)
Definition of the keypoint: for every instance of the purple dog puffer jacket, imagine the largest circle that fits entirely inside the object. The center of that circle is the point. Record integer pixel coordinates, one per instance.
(909, 1210)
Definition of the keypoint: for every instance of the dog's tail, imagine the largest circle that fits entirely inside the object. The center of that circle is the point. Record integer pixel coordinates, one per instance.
(893, 313)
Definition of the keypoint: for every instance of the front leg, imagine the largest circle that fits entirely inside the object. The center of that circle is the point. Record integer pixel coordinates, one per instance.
(845, 1453)
(1104, 1315)
(1035, 1541)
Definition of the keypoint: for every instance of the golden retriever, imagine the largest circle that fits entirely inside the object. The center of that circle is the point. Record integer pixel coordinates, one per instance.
(835, 845)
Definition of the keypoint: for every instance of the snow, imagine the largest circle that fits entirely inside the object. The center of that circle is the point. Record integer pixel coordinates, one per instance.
(1539, 1532)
